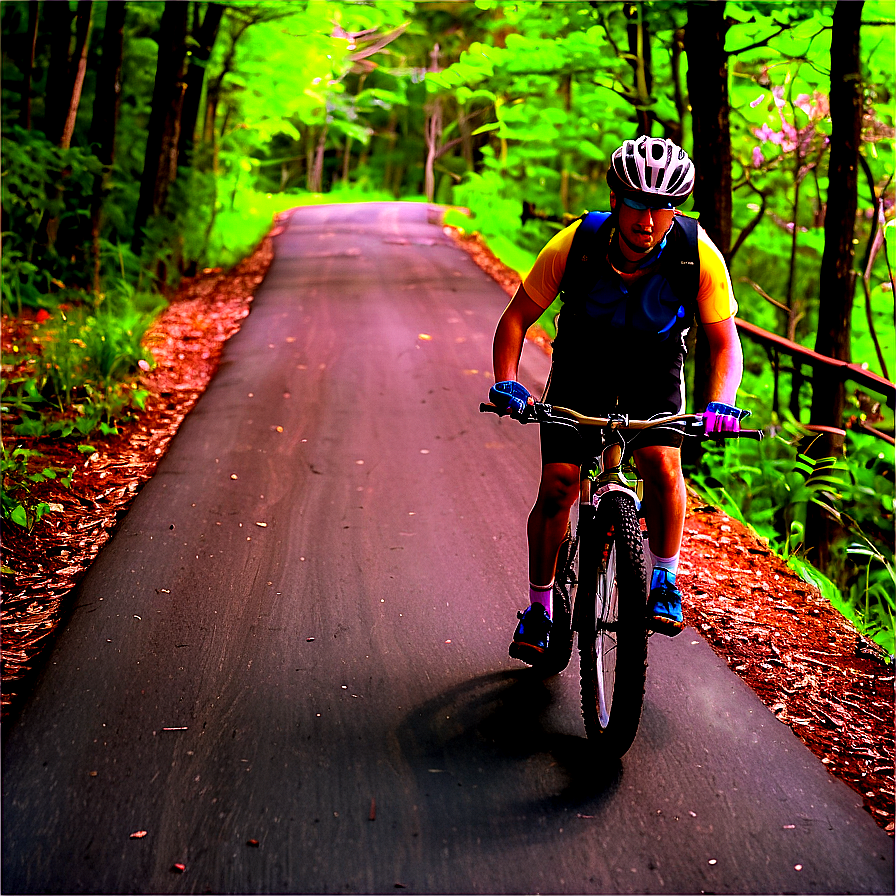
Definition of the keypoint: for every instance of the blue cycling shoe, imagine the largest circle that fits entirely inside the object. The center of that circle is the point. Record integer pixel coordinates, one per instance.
(531, 638)
(664, 604)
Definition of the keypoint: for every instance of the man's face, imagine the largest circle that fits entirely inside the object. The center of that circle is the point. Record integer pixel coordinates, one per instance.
(642, 229)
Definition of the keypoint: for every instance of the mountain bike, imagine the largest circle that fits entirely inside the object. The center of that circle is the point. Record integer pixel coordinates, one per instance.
(603, 573)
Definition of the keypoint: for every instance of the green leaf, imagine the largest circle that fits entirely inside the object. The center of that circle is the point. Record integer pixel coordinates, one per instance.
(487, 128)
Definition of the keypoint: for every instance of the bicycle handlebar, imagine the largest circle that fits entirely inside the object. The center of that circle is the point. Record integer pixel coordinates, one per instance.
(690, 424)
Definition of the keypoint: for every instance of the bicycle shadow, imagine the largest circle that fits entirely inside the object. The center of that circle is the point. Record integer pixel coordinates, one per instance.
(487, 747)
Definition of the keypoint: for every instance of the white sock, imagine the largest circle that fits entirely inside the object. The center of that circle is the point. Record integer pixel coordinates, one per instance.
(670, 564)
(542, 594)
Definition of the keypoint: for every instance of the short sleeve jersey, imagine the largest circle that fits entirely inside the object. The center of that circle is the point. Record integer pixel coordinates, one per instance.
(715, 297)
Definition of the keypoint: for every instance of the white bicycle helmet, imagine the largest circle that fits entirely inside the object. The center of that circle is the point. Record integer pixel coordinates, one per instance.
(652, 167)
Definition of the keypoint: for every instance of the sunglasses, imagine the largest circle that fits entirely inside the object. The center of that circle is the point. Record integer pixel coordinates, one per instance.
(641, 206)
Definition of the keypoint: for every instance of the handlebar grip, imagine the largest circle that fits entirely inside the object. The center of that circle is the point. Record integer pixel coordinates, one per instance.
(755, 434)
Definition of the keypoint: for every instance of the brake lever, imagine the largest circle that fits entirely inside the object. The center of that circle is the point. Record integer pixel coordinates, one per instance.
(527, 416)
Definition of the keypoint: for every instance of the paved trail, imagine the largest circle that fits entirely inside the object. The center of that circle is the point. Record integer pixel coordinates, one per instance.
(289, 666)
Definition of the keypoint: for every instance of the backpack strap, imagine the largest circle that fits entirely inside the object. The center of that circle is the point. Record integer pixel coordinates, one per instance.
(684, 276)
(584, 242)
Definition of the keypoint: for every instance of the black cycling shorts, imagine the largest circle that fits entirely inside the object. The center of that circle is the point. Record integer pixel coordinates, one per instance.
(642, 389)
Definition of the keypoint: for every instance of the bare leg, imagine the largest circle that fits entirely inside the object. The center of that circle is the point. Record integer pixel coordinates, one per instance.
(665, 497)
(558, 491)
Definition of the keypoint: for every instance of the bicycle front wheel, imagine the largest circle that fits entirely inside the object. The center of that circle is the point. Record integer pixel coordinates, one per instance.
(612, 624)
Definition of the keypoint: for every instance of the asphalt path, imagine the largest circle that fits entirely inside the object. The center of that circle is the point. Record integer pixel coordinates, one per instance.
(289, 666)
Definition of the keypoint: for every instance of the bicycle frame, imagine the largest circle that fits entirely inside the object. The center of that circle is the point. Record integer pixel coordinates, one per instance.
(605, 473)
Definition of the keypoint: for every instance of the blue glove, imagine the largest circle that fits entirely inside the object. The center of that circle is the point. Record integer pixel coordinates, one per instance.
(510, 395)
(720, 417)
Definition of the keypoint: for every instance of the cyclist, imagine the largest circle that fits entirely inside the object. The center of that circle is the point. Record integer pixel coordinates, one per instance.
(620, 345)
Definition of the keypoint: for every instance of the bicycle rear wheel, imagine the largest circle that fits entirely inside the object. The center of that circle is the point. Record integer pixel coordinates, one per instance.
(612, 625)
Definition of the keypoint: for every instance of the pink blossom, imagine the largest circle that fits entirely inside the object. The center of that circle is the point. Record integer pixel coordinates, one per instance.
(757, 157)
(804, 102)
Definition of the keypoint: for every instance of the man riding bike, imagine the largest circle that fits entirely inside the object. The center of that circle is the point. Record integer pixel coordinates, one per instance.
(620, 345)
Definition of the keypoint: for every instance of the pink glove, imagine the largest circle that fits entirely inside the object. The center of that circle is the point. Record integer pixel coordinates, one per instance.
(720, 417)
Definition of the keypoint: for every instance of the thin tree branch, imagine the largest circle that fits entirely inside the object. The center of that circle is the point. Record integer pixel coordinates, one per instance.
(745, 233)
(779, 305)
(760, 43)
(870, 252)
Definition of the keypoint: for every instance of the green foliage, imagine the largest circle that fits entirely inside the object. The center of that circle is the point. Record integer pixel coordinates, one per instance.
(89, 350)
(872, 612)
(239, 228)
(780, 129)
(22, 283)
(83, 377)
(22, 471)
(769, 485)
(41, 183)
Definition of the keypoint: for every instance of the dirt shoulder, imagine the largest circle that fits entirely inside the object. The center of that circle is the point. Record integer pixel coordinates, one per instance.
(804, 660)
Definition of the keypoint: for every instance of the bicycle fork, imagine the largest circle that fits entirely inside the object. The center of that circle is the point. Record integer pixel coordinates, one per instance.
(612, 478)
(593, 561)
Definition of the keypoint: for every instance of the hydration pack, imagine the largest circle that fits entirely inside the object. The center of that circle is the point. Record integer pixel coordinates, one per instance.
(663, 303)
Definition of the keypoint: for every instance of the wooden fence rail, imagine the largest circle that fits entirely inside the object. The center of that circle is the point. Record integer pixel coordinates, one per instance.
(854, 372)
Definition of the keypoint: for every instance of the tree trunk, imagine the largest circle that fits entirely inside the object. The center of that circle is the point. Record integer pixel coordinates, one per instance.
(433, 132)
(316, 174)
(57, 23)
(160, 162)
(346, 160)
(66, 112)
(676, 134)
(204, 37)
(107, 98)
(837, 277)
(791, 314)
(212, 95)
(708, 90)
(106, 105)
(390, 137)
(210, 128)
(639, 49)
(78, 69)
(25, 110)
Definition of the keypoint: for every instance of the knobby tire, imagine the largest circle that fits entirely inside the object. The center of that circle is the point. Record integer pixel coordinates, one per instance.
(612, 650)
